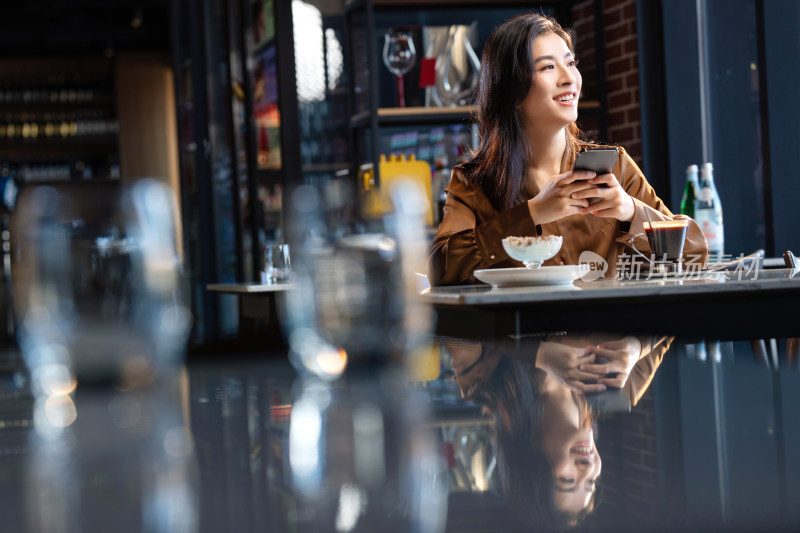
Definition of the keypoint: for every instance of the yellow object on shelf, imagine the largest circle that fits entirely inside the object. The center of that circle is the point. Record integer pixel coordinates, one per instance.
(371, 202)
(418, 172)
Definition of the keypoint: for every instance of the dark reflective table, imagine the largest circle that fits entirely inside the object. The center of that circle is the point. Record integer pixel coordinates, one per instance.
(734, 305)
(489, 435)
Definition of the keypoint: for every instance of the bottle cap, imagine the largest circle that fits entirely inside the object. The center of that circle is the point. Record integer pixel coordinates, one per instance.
(708, 167)
(691, 169)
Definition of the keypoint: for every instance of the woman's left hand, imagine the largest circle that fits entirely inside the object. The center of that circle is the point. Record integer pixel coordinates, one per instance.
(614, 201)
(614, 361)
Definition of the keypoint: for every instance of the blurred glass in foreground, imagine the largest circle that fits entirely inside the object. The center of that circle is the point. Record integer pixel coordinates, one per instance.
(102, 328)
(362, 459)
(356, 279)
(361, 455)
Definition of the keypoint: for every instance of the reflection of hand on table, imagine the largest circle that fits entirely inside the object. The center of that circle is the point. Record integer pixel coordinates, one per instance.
(614, 361)
(563, 363)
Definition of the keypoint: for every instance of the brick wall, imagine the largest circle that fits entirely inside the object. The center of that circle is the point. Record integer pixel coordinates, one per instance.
(629, 482)
(621, 71)
(583, 40)
(640, 468)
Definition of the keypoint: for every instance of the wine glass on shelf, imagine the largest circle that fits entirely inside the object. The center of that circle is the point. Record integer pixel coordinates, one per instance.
(399, 57)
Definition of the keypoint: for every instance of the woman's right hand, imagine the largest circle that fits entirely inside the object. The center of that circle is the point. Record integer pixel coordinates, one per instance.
(562, 362)
(553, 201)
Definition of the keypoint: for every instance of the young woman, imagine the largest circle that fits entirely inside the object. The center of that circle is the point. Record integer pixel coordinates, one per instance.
(519, 180)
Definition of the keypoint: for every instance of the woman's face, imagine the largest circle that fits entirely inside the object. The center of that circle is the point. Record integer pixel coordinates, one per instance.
(553, 98)
(568, 444)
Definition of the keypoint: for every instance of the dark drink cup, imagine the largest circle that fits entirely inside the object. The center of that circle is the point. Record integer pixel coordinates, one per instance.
(666, 238)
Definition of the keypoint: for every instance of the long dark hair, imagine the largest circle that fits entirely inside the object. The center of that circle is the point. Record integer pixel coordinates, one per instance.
(499, 164)
(511, 397)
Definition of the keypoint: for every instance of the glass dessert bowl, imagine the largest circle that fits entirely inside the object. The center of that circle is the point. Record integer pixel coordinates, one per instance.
(532, 251)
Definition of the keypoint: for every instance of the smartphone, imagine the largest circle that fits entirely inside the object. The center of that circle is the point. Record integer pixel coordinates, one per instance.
(609, 401)
(598, 160)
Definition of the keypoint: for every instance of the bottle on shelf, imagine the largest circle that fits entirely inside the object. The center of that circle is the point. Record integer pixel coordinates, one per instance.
(441, 177)
(689, 192)
(708, 212)
(371, 205)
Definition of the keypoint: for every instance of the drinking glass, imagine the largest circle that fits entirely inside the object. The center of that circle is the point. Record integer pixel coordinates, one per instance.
(277, 264)
(399, 57)
(102, 326)
(355, 284)
(666, 239)
(361, 454)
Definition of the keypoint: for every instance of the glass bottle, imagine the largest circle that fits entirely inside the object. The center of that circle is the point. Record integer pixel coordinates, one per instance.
(708, 212)
(689, 192)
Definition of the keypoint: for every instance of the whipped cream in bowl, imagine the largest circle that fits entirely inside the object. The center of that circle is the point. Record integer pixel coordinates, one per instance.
(532, 251)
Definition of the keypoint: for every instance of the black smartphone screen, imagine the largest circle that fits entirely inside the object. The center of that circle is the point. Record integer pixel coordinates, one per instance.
(598, 160)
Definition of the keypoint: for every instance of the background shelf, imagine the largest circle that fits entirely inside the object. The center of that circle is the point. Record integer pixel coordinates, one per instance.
(415, 115)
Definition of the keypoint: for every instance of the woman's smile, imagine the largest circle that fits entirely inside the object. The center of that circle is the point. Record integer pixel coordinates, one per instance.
(568, 99)
(583, 448)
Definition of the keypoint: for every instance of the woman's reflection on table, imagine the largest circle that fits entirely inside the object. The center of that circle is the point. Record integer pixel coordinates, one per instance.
(567, 441)
(543, 427)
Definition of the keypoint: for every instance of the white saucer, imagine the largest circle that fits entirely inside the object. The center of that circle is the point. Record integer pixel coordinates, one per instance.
(694, 275)
(522, 277)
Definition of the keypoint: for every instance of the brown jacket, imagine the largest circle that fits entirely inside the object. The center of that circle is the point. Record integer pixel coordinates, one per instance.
(471, 231)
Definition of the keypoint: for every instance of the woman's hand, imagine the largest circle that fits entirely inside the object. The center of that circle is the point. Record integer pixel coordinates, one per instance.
(558, 199)
(614, 361)
(563, 362)
(614, 201)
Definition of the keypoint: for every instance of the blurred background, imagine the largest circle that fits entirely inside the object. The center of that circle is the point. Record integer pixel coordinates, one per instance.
(234, 103)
